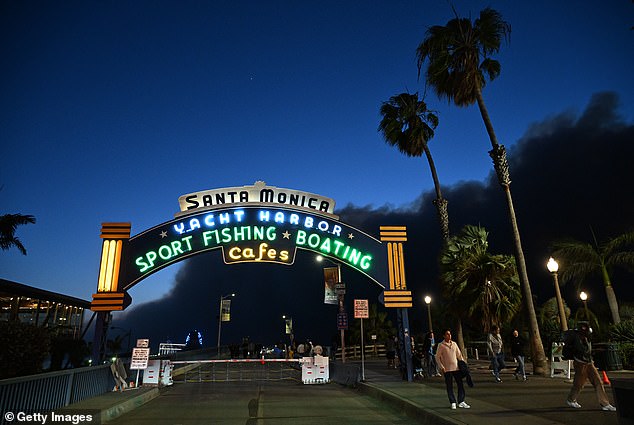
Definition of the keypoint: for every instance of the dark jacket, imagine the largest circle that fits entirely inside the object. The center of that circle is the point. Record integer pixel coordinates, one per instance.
(517, 346)
(463, 367)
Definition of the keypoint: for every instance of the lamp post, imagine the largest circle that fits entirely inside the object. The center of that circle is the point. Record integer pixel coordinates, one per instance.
(342, 310)
(584, 298)
(553, 267)
(222, 298)
(428, 302)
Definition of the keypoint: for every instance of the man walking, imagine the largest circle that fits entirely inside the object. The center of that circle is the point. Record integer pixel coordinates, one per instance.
(585, 370)
(517, 351)
(447, 356)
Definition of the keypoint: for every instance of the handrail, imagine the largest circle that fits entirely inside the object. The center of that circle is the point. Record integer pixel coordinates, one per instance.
(53, 390)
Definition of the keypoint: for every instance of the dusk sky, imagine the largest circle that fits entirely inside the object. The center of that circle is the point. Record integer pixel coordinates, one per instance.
(110, 111)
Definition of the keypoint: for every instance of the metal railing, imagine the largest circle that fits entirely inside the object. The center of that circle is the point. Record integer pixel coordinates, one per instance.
(47, 391)
(239, 370)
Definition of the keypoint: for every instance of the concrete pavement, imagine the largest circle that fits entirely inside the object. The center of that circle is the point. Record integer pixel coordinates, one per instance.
(539, 401)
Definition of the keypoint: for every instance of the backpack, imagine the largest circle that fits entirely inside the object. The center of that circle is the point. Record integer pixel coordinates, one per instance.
(570, 337)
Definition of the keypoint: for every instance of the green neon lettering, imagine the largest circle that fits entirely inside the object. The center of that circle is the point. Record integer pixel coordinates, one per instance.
(270, 233)
(313, 240)
(143, 266)
(338, 245)
(165, 252)
(366, 262)
(226, 235)
(325, 246)
(187, 241)
(300, 239)
(176, 247)
(239, 233)
(258, 232)
(354, 257)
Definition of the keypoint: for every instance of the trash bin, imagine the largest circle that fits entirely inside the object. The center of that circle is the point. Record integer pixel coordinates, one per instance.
(606, 356)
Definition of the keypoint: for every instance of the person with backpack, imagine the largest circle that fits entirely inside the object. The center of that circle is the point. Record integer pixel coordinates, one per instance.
(579, 341)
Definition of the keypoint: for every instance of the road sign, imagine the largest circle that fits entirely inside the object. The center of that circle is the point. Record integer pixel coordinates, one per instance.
(140, 357)
(342, 321)
(361, 310)
(143, 343)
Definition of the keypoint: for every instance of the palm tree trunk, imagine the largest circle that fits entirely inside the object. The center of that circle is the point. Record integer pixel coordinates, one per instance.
(460, 338)
(439, 202)
(613, 303)
(498, 154)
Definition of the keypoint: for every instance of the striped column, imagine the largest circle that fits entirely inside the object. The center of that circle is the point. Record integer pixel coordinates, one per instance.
(108, 298)
(397, 295)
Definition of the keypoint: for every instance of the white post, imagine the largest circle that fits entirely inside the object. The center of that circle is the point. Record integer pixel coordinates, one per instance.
(362, 354)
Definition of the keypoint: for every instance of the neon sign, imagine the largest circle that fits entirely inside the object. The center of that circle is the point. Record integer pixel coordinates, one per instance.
(253, 234)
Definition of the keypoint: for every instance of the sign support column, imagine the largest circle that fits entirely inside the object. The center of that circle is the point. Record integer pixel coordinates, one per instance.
(398, 296)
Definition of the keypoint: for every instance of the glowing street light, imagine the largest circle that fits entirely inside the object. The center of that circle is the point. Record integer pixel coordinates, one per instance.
(222, 298)
(553, 267)
(428, 302)
(584, 298)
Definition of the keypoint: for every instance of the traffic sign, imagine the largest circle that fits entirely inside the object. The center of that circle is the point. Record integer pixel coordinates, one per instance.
(342, 321)
(361, 310)
(140, 357)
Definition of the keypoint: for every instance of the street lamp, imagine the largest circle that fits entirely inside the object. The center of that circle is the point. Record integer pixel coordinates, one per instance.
(584, 298)
(428, 302)
(553, 267)
(222, 298)
(342, 310)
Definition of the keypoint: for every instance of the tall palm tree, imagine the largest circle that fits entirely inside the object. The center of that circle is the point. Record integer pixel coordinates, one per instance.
(8, 225)
(482, 285)
(582, 260)
(409, 125)
(459, 59)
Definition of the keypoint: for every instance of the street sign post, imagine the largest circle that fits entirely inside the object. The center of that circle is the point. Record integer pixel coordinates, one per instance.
(361, 311)
(140, 357)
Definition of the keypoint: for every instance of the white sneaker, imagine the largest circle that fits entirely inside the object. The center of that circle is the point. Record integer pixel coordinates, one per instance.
(466, 406)
(609, 408)
(573, 404)
(453, 406)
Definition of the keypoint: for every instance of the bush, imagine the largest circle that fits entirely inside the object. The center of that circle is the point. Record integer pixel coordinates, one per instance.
(23, 348)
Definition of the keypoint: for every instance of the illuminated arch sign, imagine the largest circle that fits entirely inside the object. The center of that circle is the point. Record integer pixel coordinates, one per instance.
(257, 223)
(253, 234)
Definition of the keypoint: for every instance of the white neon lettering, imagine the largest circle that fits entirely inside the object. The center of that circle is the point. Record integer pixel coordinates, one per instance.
(279, 217)
(180, 228)
(224, 218)
(264, 215)
(209, 220)
(294, 219)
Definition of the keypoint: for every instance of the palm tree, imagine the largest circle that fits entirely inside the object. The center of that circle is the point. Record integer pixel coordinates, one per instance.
(482, 285)
(409, 125)
(8, 225)
(581, 261)
(459, 58)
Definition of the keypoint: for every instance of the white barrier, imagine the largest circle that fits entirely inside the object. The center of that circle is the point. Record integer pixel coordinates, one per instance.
(315, 370)
(558, 366)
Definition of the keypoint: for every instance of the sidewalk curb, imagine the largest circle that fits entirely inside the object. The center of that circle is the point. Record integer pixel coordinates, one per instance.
(113, 412)
(421, 415)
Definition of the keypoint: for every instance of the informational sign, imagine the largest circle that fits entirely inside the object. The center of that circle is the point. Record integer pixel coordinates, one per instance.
(331, 277)
(225, 310)
(340, 288)
(288, 326)
(259, 193)
(143, 343)
(140, 357)
(342, 321)
(361, 310)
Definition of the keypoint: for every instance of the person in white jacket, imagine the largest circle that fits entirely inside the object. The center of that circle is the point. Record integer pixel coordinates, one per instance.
(447, 356)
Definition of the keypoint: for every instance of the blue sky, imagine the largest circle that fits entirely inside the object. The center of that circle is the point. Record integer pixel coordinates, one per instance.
(110, 111)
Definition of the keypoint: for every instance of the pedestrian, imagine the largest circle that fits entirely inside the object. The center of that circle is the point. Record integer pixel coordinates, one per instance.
(585, 369)
(447, 356)
(495, 347)
(430, 358)
(517, 351)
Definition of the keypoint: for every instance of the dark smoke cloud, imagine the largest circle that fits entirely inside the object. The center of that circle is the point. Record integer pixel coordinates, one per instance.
(568, 174)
